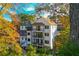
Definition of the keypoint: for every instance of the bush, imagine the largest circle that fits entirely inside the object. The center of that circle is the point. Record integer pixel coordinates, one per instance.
(69, 49)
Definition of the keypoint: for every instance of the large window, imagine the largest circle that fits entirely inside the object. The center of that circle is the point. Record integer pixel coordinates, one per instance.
(37, 41)
(38, 34)
(46, 42)
(22, 38)
(38, 28)
(41, 41)
(46, 34)
(25, 38)
(46, 27)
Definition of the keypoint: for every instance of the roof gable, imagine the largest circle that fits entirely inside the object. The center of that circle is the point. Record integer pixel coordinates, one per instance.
(45, 21)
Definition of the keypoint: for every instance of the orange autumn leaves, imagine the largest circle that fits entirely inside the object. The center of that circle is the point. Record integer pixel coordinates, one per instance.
(8, 39)
(64, 34)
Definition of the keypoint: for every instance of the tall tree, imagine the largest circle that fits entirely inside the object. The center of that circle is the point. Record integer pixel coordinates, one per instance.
(74, 22)
(4, 7)
(8, 39)
(25, 17)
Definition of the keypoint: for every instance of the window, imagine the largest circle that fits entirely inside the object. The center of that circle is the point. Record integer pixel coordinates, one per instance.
(22, 38)
(22, 28)
(38, 28)
(37, 41)
(25, 38)
(46, 27)
(34, 41)
(28, 33)
(41, 41)
(38, 34)
(28, 39)
(46, 41)
(46, 34)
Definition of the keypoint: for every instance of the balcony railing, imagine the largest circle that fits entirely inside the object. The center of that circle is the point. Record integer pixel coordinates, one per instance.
(38, 41)
(38, 29)
(38, 34)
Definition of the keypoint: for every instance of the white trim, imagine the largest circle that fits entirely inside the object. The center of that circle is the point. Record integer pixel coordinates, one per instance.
(22, 28)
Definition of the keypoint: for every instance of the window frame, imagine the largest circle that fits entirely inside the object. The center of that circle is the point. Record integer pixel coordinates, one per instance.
(46, 27)
(46, 34)
(29, 39)
(46, 41)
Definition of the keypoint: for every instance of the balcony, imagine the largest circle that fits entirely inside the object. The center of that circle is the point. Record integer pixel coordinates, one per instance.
(38, 34)
(38, 41)
(38, 28)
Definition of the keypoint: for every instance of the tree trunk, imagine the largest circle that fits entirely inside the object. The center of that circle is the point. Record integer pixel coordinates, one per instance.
(74, 22)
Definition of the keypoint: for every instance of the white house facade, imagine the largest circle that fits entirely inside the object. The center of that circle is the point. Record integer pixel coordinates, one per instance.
(41, 34)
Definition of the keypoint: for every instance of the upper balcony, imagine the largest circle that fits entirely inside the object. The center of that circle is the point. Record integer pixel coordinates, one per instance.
(37, 34)
(38, 28)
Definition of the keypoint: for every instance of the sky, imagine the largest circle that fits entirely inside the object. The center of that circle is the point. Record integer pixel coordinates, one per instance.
(27, 8)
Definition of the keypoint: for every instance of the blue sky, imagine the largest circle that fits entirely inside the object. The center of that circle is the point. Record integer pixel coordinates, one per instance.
(28, 8)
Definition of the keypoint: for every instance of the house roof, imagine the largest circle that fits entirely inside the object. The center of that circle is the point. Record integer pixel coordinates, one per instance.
(27, 24)
(38, 24)
(44, 21)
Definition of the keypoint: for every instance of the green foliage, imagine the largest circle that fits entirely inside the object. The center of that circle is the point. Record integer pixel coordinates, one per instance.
(44, 52)
(24, 17)
(69, 49)
(64, 34)
(31, 51)
(8, 40)
(9, 47)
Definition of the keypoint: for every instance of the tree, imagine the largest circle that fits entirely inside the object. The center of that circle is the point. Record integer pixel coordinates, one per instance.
(74, 23)
(8, 39)
(53, 9)
(9, 48)
(64, 34)
(44, 52)
(5, 7)
(31, 51)
(25, 17)
(69, 49)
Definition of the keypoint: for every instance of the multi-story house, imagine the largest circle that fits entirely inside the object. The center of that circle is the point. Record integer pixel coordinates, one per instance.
(41, 33)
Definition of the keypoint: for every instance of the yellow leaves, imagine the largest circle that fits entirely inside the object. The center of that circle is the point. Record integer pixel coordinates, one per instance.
(8, 41)
(5, 7)
(1, 18)
(64, 20)
(64, 34)
(17, 47)
(58, 45)
(9, 28)
(8, 5)
(51, 22)
(10, 46)
(3, 11)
